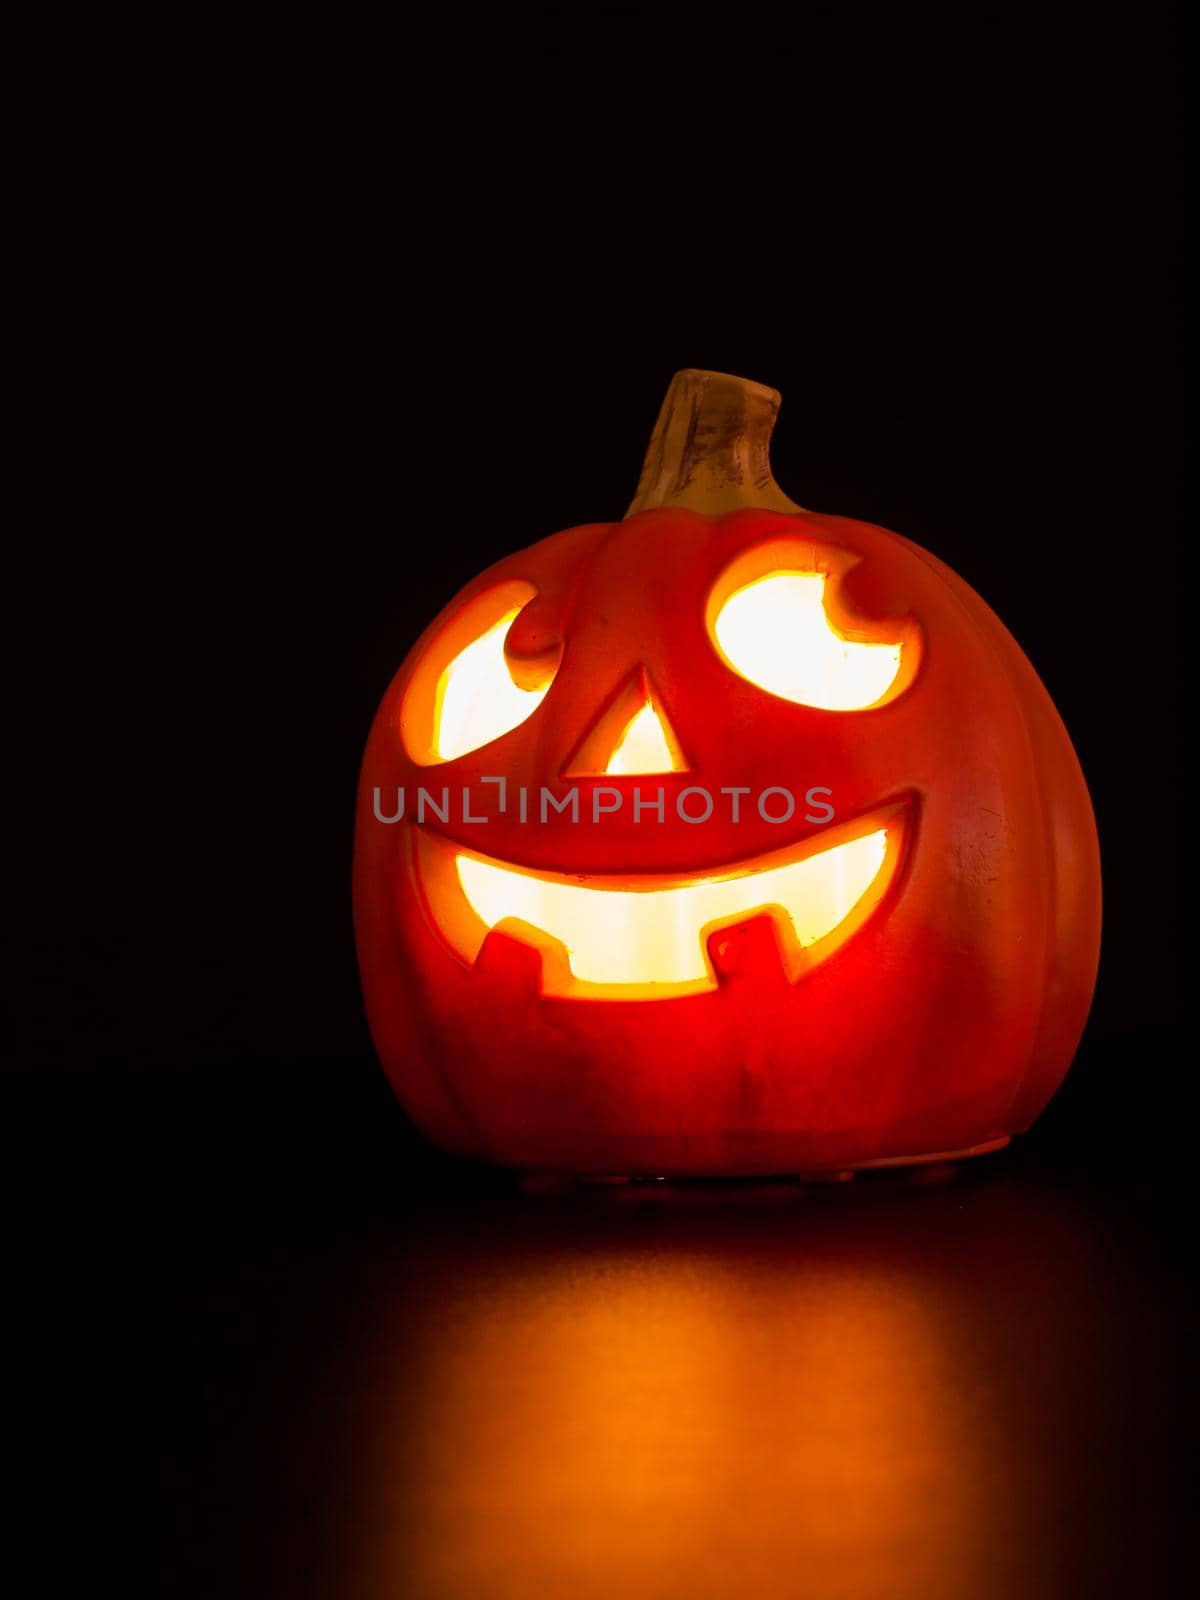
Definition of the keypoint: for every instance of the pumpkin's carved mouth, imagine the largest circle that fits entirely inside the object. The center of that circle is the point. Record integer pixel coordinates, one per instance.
(610, 936)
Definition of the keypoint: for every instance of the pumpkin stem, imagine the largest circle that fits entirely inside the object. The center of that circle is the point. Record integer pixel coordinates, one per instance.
(710, 449)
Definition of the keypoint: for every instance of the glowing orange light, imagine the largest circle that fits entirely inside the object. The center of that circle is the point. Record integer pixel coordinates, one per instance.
(775, 631)
(464, 695)
(477, 698)
(646, 746)
(646, 938)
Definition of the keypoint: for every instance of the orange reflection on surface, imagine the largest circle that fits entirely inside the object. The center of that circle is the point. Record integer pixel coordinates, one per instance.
(686, 1427)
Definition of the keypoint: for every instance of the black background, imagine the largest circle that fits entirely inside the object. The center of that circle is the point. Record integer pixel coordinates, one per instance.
(311, 397)
(314, 408)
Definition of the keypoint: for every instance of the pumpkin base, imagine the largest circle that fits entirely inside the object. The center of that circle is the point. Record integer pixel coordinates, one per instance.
(987, 1148)
(930, 1167)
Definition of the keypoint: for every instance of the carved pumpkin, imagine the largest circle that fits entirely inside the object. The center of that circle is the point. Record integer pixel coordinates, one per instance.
(826, 895)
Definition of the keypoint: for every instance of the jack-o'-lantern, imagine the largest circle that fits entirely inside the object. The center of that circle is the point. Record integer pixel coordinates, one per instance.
(727, 838)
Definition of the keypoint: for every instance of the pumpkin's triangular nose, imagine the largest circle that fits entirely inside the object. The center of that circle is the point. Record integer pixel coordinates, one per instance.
(647, 745)
(632, 737)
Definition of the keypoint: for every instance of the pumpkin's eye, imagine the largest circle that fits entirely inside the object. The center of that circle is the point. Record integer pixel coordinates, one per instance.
(465, 692)
(773, 618)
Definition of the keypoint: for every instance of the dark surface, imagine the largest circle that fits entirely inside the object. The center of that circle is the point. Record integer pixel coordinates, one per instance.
(328, 1362)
